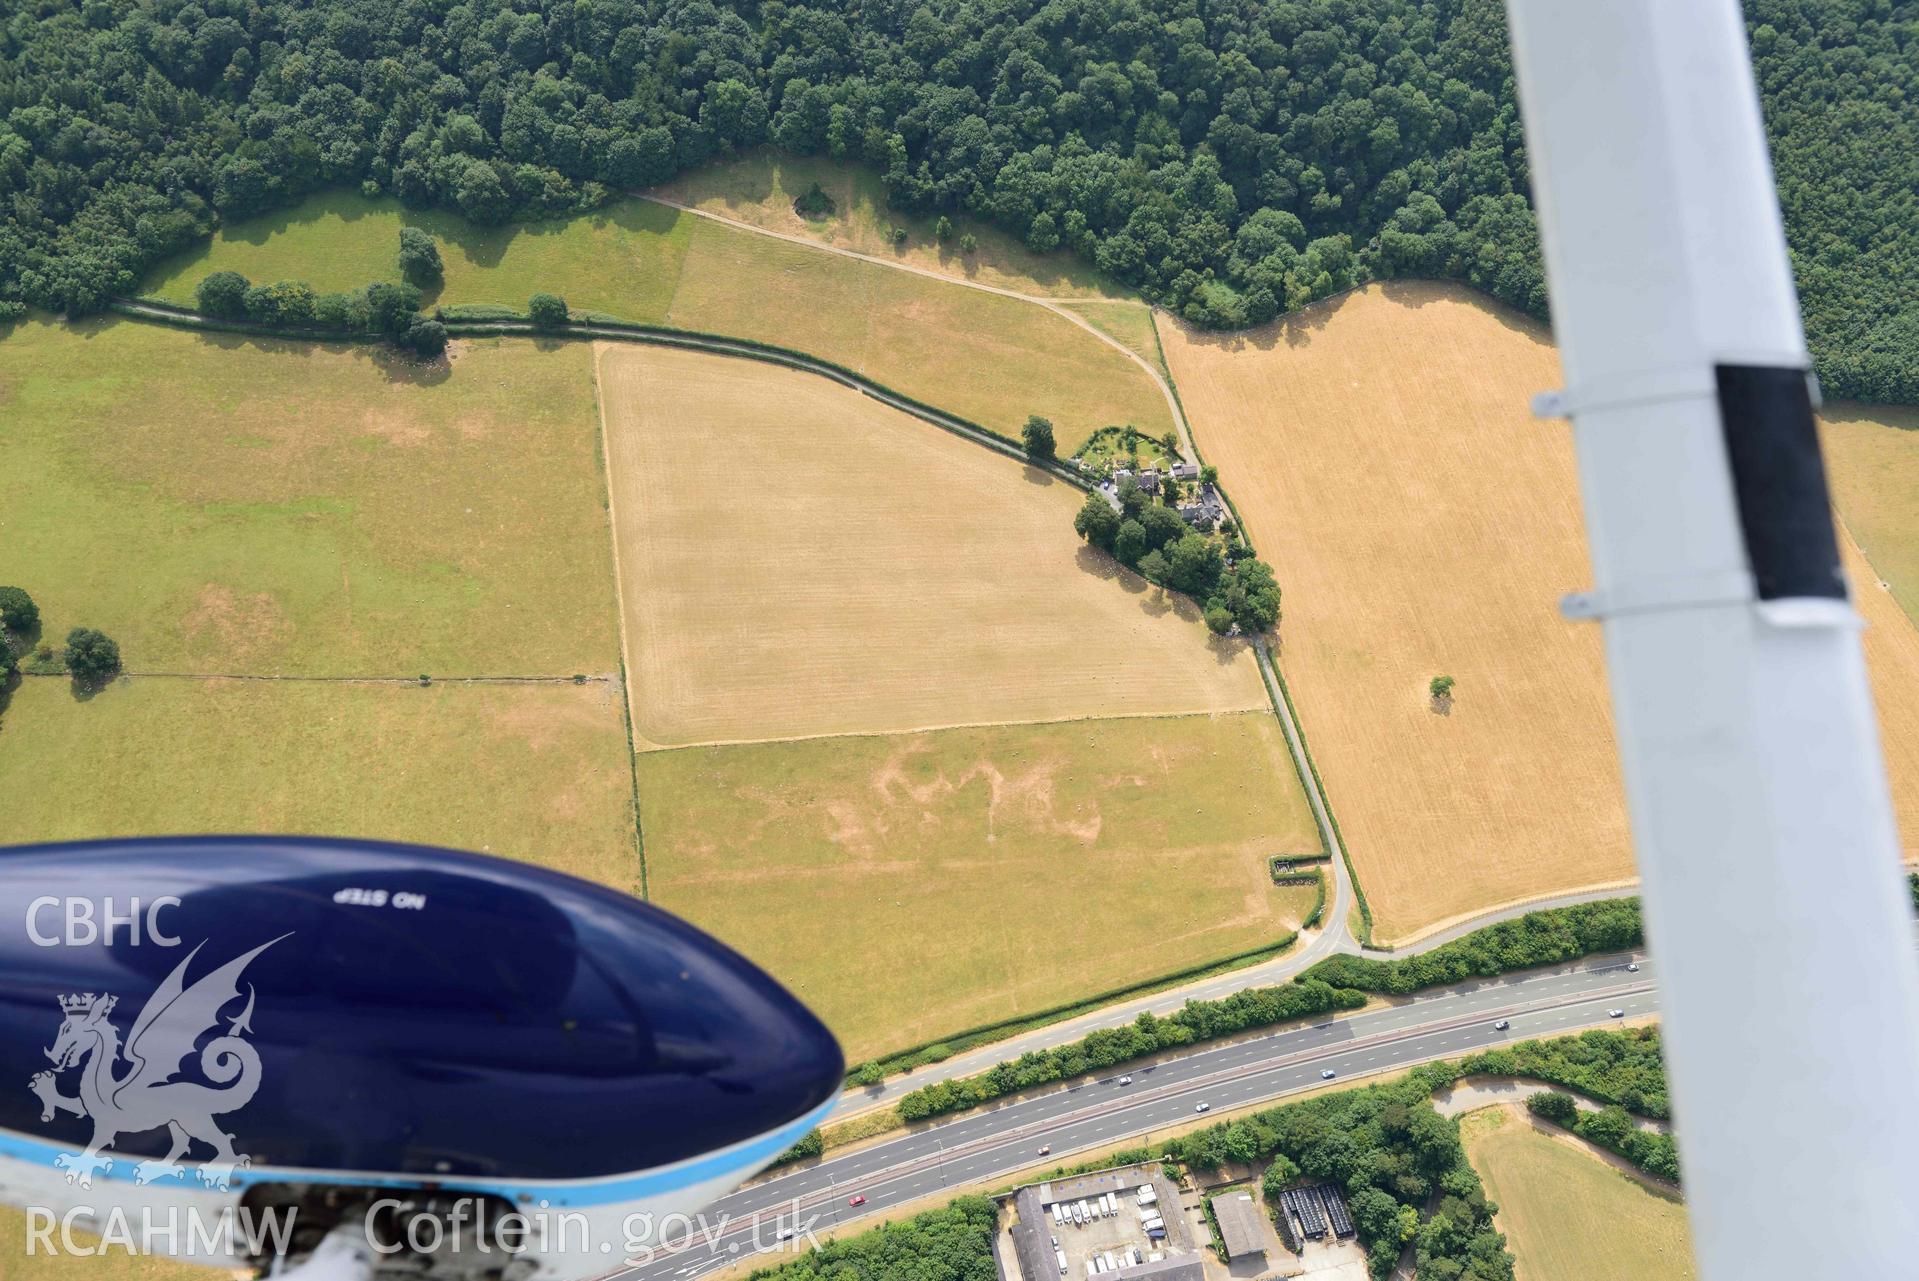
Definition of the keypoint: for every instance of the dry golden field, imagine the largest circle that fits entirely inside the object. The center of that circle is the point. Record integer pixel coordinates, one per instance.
(1872, 452)
(798, 559)
(1567, 1214)
(1422, 523)
(911, 885)
(1892, 661)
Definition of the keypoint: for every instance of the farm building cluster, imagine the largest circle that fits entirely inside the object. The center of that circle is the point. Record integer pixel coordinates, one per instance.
(1117, 1225)
(1200, 506)
(1134, 1224)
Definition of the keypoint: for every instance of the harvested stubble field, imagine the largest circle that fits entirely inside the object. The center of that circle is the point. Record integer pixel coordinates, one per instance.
(989, 358)
(909, 886)
(798, 559)
(1422, 523)
(229, 505)
(532, 772)
(1872, 452)
(1570, 1216)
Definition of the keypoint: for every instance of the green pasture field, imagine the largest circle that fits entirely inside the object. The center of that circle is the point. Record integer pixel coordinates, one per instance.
(913, 885)
(221, 504)
(1569, 1216)
(986, 357)
(537, 773)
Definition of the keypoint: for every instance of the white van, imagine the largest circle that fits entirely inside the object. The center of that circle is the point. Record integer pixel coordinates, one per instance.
(1061, 1256)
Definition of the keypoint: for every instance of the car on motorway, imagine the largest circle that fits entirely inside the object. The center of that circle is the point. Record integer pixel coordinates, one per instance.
(1047, 1150)
(856, 1199)
(1632, 967)
(784, 1234)
(1615, 1013)
(1502, 1025)
(1204, 1107)
(1126, 1080)
(1328, 1075)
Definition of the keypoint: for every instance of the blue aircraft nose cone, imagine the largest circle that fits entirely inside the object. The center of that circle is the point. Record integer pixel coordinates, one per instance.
(414, 1011)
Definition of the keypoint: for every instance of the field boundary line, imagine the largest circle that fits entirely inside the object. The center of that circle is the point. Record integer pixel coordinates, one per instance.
(595, 327)
(1252, 709)
(1288, 715)
(619, 605)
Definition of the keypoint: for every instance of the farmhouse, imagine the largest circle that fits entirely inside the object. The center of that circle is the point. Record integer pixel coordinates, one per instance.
(1204, 510)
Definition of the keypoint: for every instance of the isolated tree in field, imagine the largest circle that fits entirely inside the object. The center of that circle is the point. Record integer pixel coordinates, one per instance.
(223, 294)
(420, 258)
(90, 653)
(1097, 522)
(943, 229)
(899, 235)
(547, 310)
(1441, 688)
(18, 613)
(969, 243)
(1038, 435)
(424, 337)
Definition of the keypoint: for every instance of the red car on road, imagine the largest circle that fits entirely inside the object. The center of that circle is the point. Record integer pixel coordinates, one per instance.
(856, 1200)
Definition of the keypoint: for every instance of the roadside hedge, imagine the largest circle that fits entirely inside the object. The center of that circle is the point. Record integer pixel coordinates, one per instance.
(952, 1243)
(812, 1144)
(1147, 1035)
(1539, 938)
(1612, 1128)
(1625, 1066)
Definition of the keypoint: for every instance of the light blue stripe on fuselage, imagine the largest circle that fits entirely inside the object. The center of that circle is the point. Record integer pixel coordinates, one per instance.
(740, 1158)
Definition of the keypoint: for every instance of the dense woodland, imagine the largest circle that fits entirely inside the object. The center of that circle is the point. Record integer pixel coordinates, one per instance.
(1232, 159)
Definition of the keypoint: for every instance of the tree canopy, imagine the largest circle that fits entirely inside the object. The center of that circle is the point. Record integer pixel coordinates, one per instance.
(1230, 160)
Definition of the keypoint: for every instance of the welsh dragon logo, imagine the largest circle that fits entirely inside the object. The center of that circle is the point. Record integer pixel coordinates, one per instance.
(131, 1089)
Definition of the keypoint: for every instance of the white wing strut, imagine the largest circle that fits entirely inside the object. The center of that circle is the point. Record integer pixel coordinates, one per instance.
(1751, 758)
